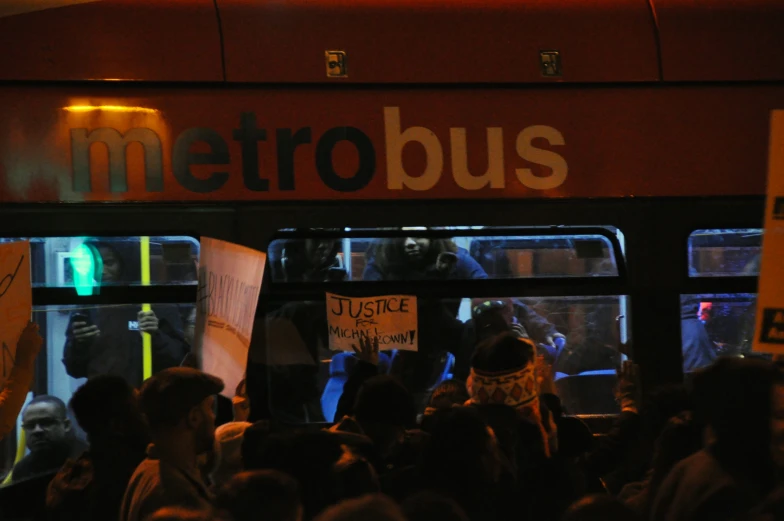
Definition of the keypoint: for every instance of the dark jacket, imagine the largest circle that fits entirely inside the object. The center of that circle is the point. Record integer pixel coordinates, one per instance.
(92, 486)
(465, 268)
(47, 460)
(118, 349)
(700, 489)
(157, 484)
(698, 349)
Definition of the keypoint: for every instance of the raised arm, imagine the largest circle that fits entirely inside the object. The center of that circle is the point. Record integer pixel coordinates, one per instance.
(19, 381)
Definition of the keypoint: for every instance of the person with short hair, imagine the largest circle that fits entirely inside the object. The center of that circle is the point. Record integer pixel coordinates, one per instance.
(262, 494)
(736, 399)
(178, 404)
(373, 507)
(49, 436)
(92, 486)
(228, 452)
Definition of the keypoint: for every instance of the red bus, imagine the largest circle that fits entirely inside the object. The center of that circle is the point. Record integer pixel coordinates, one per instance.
(602, 163)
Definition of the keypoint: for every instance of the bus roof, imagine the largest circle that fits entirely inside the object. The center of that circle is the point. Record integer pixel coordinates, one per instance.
(393, 41)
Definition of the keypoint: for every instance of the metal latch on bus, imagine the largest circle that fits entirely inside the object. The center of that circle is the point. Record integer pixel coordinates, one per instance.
(336, 64)
(551, 63)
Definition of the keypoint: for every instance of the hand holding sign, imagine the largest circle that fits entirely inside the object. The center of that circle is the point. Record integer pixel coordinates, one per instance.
(390, 320)
(29, 345)
(16, 300)
(368, 350)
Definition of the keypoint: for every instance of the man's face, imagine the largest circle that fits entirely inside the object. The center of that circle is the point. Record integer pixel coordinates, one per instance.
(111, 265)
(416, 247)
(777, 425)
(204, 426)
(45, 426)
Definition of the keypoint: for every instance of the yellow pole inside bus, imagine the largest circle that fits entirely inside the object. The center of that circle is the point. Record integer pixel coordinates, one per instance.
(20, 452)
(146, 338)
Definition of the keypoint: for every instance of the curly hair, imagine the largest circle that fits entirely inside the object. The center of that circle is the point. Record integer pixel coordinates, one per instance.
(389, 255)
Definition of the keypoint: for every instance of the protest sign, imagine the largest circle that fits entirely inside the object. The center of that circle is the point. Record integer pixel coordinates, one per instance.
(229, 284)
(16, 300)
(769, 330)
(390, 318)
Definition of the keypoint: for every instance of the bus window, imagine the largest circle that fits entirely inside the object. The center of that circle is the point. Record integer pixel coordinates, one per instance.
(416, 254)
(82, 341)
(717, 324)
(720, 323)
(65, 363)
(725, 253)
(578, 334)
(59, 262)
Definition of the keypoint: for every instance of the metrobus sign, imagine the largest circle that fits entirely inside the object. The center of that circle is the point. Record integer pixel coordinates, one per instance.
(72, 144)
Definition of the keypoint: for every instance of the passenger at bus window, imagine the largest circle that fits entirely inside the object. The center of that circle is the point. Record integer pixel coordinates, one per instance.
(490, 317)
(698, 349)
(92, 486)
(49, 437)
(311, 260)
(418, 258)
(109, 341)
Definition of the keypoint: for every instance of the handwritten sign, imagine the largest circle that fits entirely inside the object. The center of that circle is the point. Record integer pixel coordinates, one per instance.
(16, 300)
(390, 318)
(229, 284)
(769, 331)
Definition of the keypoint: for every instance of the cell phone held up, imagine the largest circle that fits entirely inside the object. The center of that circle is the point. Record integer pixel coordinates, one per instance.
(81, 317)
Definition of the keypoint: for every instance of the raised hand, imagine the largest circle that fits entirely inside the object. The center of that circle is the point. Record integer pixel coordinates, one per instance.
(29, 344)
(629, 386)
(545, 377)
(368, 350)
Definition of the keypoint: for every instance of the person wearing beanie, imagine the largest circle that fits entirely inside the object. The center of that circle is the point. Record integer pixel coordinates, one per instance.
(228, 452)
(178, 404)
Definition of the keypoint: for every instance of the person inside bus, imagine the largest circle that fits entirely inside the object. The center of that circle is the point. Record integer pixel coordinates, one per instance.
(109, 341)
(491, 317)
(698, 349)
(92, 486)
(419, 258)
(306, 260)
(49, 437)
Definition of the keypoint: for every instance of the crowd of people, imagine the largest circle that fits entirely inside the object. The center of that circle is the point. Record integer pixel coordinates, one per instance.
(495, 442)
(496, 447)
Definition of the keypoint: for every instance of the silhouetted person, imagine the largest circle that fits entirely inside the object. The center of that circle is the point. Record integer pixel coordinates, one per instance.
(431, 506)
(736, 470)
(178, 403)
(49, 436)
(368, 508)
(600, 508)
(92, 486)
(262, 494)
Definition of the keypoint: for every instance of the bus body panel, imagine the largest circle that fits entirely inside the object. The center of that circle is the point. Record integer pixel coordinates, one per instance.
(721, 40)
(139, 40)
(438, 41)
(75, 144)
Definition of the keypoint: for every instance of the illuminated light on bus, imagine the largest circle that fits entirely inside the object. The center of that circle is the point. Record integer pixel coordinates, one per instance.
(110, 108)
(86, 263)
